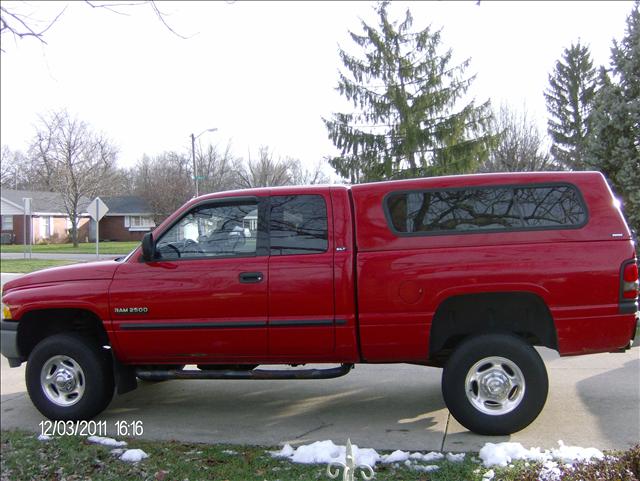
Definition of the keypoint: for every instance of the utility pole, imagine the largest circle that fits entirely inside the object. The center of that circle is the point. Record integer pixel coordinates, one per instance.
(193, 156)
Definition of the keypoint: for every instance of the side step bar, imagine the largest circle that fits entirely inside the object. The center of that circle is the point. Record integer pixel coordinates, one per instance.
(163, 375)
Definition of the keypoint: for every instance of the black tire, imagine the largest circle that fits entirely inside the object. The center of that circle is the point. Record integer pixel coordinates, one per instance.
(85, 364)
(495, 384)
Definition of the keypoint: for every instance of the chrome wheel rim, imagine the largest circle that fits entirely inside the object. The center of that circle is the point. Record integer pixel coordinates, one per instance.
(62, 380)
(495, 385)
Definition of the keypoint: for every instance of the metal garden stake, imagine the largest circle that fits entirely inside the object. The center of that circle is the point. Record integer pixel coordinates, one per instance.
(350, 467)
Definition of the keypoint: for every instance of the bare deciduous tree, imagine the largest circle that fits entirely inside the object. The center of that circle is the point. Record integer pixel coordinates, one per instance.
(163, 181)
(266, 171)
(301, 176)
(16, 170)
(22, 24)
(166, 181)
(521, 146)
(121, 183)
(71, 159)
(216, 169)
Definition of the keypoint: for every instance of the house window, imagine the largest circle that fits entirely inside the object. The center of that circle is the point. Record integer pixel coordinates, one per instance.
(7, 222)
(46, 227)
(138, 222)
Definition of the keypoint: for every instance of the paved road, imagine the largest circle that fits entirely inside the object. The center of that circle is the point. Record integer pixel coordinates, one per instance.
(593, 401)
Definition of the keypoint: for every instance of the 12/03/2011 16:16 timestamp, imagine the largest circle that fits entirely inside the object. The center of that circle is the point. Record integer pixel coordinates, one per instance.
(91, 428)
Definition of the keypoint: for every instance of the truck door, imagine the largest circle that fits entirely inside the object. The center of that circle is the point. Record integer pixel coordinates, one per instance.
(204, 297)
(301, 297)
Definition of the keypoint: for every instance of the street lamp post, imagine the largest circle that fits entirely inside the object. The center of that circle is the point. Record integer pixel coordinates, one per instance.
(193, 155)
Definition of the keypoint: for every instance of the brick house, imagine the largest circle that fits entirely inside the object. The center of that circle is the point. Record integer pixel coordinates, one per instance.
(48, 223)
(128, 219)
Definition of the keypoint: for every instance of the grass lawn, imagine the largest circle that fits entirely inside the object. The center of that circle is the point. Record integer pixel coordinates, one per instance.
(24, 266)
(83, 248)
(23, 457)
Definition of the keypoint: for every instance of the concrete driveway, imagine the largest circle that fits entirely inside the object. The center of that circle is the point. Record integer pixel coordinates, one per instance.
(593, 402)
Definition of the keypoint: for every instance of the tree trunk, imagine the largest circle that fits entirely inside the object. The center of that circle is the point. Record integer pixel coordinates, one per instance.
(74, 233)
(74, 228)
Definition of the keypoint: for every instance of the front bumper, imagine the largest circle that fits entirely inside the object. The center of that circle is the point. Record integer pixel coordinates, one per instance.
(9, 342)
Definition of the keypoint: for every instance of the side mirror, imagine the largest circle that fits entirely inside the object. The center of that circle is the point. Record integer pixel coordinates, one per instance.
(148, 247)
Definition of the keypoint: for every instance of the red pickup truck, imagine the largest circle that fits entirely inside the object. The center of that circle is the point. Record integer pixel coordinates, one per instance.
(467, 273)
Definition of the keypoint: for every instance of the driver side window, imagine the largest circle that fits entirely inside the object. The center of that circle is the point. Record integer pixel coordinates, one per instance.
(212, 231)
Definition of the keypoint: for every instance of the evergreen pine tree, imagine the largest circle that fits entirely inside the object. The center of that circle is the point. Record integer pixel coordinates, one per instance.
(569, 100)
(409, 119)
(613, 144)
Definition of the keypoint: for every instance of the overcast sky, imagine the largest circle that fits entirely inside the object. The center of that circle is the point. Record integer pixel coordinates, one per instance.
(263, 73)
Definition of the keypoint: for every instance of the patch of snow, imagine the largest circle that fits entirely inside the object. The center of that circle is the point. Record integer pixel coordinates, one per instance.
(428, 457)
(324, 452)
(106, 441)
(570, 454)
(488, 476)
(396, 457)
(117, 451)
(133, 455)
(286, 452)
(44, 437)
(455, 458)
(432, 456)
(231, 452)
(549, 471)
(425, 469)
(502, 454)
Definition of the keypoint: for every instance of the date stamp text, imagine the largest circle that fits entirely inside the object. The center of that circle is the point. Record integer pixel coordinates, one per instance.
(91, 428)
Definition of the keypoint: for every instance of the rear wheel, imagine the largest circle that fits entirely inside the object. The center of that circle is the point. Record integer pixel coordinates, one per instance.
(495, 384)
(69, 377)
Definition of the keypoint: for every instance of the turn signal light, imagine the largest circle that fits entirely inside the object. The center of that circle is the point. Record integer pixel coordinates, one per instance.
(630, 281)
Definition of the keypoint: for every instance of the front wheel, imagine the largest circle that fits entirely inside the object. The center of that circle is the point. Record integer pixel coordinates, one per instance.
(69, 377)
(495, 384)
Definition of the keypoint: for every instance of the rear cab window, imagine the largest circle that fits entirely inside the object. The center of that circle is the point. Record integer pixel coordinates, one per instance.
(298, 225)
(485, 209)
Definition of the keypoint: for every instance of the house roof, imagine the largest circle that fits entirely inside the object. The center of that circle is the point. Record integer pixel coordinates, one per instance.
(127, 205)
(41, 202)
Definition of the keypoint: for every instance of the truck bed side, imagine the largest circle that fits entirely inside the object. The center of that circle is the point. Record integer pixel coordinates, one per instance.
(403, 281)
